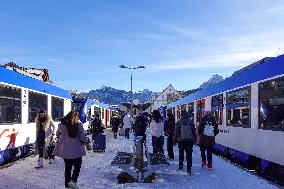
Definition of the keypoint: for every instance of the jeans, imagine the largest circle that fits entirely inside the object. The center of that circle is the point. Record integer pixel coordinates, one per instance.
(170, 146)
(69, 163)
(115, 135)
(209, 150)
(187, 147)
(127, 133)
(158, 144)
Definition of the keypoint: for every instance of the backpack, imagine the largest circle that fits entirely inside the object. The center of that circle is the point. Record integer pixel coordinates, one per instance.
(208, 129)
(186, 132)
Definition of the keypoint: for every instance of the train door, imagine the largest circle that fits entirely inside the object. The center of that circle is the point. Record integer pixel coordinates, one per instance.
(200, 111)
(106, 118)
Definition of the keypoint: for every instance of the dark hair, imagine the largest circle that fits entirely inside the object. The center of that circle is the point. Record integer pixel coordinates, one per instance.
(72, 128)
(171, 116)
(184, 117)
(157, 116)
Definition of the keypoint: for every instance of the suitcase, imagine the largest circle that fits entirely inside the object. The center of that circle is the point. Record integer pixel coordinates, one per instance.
(99, 143)
(121, 131)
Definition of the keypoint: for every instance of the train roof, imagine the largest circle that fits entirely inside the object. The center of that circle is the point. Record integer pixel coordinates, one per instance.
(17, 79)
(268, 69)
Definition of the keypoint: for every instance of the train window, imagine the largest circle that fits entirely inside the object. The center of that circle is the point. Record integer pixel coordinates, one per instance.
(191, 108)
(96, 110)
(238, 107)
(217, 108)
(37, 102)
(57, 107)
(271, 106)
(10, 105)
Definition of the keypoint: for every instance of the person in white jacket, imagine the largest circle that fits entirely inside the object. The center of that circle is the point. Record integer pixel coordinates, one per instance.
(127, 125)
(157, 131)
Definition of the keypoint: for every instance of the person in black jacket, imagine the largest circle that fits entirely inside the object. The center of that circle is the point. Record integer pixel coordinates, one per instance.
(97, 127)
(169, 132)
(140, 126)
(185, 135)
(115, 122)
(207, 131)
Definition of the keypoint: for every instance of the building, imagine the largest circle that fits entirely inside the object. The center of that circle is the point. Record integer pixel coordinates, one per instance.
(159, 99)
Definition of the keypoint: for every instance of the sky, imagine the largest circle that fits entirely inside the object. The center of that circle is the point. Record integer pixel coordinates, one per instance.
(182, 42)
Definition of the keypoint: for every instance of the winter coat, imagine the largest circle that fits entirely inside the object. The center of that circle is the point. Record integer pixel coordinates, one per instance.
(177, 132)
(49, 128)
(157, 129)
(115, 122)
(97, 127)
(170, 127)
(140, 126)
(68, 147)
(127, 122)
(207, 123)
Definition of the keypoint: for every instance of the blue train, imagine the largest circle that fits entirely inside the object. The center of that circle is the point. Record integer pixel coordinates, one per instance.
(249, 109)
(21, 96)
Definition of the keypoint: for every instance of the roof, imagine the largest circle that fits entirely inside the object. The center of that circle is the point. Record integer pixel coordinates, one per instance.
(268, 69)
(17, 79)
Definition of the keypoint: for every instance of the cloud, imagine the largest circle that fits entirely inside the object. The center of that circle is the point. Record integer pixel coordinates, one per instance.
(189, 32)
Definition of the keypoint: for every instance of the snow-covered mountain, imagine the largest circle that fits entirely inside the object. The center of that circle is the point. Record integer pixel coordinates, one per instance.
(116, 96)
(212, 81)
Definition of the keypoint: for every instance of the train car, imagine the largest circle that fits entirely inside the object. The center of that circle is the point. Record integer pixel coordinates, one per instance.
(20, 98)
(249, 109)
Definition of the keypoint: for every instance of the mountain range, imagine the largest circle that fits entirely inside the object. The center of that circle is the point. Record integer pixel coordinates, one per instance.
(115, 96)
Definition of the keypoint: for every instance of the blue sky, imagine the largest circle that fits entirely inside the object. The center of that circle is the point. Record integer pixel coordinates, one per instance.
(182, 42)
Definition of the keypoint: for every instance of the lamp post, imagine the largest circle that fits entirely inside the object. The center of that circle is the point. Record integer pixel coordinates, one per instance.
(131, 93)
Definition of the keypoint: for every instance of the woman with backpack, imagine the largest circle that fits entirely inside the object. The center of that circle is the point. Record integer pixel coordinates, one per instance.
(185, 136)
(207, 131)
(70, 146)
(157, 131)
(169, 132)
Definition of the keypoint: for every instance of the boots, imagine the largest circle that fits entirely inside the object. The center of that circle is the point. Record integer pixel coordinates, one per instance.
(209, 166)
(72, 185)
(203, 164)
(39, 163)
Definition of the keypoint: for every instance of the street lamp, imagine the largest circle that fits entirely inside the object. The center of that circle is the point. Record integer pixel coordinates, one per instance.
(131, 95)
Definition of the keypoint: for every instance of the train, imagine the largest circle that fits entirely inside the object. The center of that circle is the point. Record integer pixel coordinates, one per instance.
(249, 110)
(21, 96)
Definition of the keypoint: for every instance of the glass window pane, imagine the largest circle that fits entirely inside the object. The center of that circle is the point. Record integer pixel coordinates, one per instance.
(217, 108)
(238, 107)
(57, 108)
(37, 102)
(271, 110)
(10, 105)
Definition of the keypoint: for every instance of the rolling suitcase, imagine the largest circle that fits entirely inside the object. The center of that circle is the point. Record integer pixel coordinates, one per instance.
(99, 143)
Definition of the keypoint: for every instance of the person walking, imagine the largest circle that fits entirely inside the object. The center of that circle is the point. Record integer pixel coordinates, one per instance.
(207, 131)
(115, 122)
(45, 129)
(169, 132)
(127, 125)
(97, 128)
(185, 135)
(140, 126)
(157, 131)
(70, 146)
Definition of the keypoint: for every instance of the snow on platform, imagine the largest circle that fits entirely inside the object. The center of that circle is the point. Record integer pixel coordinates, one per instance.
(97, 172)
